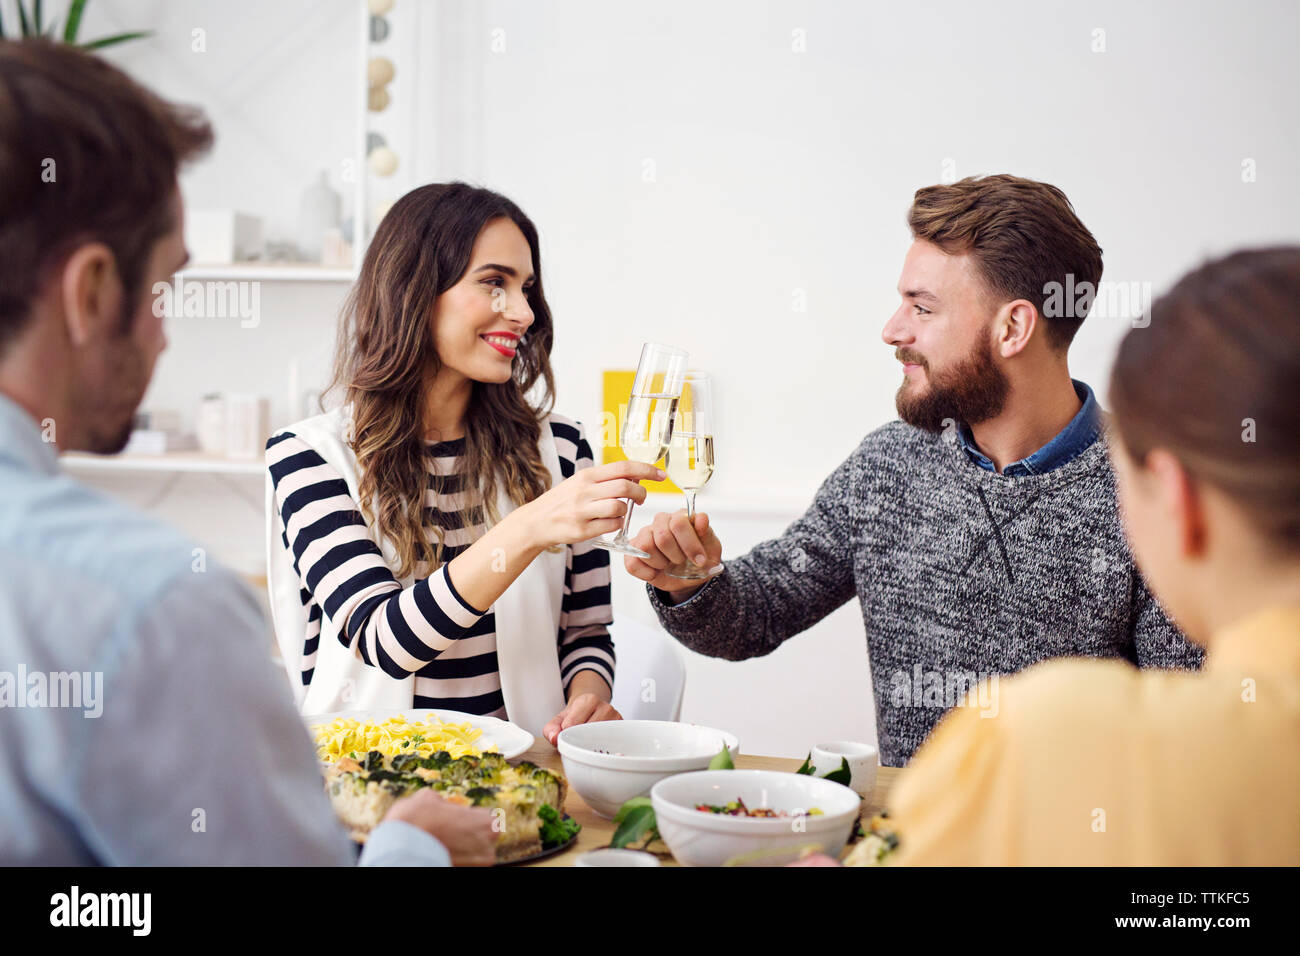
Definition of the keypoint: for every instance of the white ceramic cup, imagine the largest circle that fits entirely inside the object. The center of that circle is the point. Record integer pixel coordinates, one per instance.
(862, 759)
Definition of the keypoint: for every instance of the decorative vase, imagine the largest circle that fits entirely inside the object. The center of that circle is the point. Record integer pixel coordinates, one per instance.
(319, 212)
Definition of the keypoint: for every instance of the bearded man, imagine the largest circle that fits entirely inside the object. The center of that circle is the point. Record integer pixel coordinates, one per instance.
(980, 533)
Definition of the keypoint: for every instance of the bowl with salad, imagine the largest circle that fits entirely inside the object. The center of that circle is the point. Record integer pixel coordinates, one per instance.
(715, 817)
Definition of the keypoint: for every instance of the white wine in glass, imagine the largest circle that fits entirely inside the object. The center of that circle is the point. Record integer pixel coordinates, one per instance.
(648, 427)
(690, 460)
(690, 456)
(648, 424)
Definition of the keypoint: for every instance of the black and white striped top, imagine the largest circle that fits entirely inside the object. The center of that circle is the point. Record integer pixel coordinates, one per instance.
(426, 629)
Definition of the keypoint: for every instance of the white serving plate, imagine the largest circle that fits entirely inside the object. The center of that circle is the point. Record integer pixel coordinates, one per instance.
(510, 739)
(608, 762)
(697, 838)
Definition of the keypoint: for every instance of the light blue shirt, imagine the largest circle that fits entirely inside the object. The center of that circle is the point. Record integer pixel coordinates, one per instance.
(141, 718)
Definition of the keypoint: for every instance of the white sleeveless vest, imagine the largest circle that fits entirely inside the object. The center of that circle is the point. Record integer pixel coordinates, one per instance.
(527, 615)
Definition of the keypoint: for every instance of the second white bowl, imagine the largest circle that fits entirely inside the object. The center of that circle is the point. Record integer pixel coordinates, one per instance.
(609, 762)
(700, 838)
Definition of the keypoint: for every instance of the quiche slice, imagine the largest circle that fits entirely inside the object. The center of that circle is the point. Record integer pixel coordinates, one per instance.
(362, 791)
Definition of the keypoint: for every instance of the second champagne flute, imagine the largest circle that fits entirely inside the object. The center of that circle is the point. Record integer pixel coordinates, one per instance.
(690, 457)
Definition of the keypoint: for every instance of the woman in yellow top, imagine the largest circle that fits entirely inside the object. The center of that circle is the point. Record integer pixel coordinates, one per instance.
(1097, 762)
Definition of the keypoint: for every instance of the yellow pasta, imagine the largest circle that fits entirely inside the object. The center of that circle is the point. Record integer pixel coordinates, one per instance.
(397, 735)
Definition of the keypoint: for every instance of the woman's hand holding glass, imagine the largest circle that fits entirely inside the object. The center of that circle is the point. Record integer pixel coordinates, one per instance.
(588, 504)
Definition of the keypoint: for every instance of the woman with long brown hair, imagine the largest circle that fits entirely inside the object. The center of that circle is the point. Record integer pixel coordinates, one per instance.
(429, 537)
(1097, 762)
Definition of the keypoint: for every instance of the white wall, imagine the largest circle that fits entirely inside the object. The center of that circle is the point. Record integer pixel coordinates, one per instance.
(778, 171)
(278, 81)
(779, 174)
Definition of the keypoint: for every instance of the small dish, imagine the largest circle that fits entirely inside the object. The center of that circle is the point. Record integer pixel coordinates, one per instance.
(863, 760)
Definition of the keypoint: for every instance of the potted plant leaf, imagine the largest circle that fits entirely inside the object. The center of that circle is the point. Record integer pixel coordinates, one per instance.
(32, 24)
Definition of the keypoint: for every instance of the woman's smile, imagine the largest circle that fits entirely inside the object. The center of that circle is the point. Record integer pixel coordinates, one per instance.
(503, 342)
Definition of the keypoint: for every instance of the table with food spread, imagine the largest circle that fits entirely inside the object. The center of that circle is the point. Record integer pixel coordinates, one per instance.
(597, 831)
(611, 793)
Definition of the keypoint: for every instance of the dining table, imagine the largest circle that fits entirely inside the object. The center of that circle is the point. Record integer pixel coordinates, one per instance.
(597, 831)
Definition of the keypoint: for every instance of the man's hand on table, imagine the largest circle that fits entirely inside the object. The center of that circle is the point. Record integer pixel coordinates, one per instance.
(466, 832)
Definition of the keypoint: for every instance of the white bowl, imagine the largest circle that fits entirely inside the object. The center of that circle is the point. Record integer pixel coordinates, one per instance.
(699, 838)
(609, 762)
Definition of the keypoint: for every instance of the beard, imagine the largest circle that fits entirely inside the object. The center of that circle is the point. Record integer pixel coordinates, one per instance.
(113, 441)
(972, 390)
(110, 398)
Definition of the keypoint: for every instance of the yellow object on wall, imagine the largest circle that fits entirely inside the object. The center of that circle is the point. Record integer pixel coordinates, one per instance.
(617, 386)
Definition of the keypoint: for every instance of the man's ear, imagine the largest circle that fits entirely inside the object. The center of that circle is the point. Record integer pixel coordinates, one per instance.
(1180, 501)
(1017, 321)
(90, 293)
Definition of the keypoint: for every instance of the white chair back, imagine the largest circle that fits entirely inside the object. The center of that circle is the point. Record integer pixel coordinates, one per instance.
(650, 677)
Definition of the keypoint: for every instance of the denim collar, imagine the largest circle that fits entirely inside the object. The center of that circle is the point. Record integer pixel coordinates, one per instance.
(1081, 432)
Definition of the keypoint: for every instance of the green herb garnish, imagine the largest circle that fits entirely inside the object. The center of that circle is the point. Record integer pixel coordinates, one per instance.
(842, 775)
(723, 760)
(556, 830)
(636, 821)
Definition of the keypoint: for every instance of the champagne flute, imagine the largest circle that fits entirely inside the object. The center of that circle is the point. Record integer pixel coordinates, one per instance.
(648, 425)
(690, 457)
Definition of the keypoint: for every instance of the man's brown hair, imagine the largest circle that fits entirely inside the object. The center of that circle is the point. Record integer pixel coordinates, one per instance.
(86, 155)
(1023, 235)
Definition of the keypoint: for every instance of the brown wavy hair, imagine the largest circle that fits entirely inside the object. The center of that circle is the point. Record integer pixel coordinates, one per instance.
(1022, 235)
(386, 354)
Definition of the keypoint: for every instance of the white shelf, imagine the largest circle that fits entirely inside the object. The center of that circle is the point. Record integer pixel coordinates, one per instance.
(187, 461)
(268, 272)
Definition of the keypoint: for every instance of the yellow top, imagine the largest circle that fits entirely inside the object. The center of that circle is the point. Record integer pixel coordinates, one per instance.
(1093, 762)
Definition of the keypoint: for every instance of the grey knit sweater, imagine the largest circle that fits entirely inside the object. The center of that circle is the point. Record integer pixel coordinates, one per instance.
(962, 574)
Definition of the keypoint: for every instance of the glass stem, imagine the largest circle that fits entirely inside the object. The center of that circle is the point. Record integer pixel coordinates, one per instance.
(627, 521)
(690, 516)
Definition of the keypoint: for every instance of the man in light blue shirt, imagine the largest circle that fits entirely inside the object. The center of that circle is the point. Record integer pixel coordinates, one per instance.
(141, 720)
